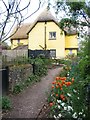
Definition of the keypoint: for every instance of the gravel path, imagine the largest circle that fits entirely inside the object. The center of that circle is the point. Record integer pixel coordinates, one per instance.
(29, 103)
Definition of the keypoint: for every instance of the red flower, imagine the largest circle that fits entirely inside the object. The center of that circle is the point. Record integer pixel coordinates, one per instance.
(52, 86)
(68, 83)
(63, 78)
(56, 95)
(51, 104)
(72, 79)
(54, 82)
(57, 86)
(62, 97)
(57, 78)
(61, 89)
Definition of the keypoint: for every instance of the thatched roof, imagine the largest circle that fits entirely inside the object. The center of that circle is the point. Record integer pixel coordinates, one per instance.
(46, 15)
(25, 28)
(21, 33)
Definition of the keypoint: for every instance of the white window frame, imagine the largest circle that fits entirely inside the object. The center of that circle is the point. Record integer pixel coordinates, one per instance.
(53, 53)
(52, 35)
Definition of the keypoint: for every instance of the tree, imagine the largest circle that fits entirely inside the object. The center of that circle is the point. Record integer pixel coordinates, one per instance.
(11, 13)
(76, 12)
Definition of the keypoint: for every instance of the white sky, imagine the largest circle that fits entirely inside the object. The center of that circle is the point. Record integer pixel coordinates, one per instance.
(34, 6)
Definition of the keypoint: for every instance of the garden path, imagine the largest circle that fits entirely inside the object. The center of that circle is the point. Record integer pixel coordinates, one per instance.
(29, 103)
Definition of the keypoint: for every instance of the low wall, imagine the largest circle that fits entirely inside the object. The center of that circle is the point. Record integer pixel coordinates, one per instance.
(19, 74)
(12, 54)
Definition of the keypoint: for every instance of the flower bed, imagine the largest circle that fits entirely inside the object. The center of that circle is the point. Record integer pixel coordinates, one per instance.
(66, 98)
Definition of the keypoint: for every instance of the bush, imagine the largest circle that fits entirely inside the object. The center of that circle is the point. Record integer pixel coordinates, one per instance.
(40, 66)
(17, 88)
(5, 103)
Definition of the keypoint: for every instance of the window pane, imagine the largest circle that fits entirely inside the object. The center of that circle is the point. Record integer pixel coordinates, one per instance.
(18, 40)
(70, 52)
(52, 35)
(53, 53)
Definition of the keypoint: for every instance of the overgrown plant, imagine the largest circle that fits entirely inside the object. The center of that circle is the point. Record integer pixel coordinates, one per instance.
(21, 86)
(5, 103)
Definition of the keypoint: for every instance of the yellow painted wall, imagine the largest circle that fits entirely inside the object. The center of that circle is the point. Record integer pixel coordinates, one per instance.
(71, 41)
(37, 37)
(14, 43)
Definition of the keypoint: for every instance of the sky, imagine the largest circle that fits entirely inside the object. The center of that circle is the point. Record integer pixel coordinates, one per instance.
(34, 6)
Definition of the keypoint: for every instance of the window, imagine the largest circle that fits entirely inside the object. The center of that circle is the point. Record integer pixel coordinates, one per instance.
(52, 35)
(70, 52)
(18, 41)
(53, 53)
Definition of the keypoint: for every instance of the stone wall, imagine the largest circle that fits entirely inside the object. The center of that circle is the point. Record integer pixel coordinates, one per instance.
(19, 74)
(12, 54)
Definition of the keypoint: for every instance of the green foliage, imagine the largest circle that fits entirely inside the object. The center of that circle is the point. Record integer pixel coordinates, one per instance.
(67, 22)
(84, 58)
(17, 88)
(21, 86)
(76, 5)
(5, 102)
(41, 66)
(76, 9)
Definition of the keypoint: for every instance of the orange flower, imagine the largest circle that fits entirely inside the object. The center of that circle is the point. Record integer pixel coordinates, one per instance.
(61, 96)
(63, 82)
(56, 95)
(54, 82)
(61, 89)
(52, 86)
(68, 83)
(51, 104)
(63, 78)
(57, 78)
(60, 85)
(57, 86)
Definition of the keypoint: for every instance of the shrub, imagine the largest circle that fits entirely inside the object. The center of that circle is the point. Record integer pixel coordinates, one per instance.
(18, 88)
(5, 103)
(40, 66)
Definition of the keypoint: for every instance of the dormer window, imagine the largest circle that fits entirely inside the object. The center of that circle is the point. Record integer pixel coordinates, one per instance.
(52, 35)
